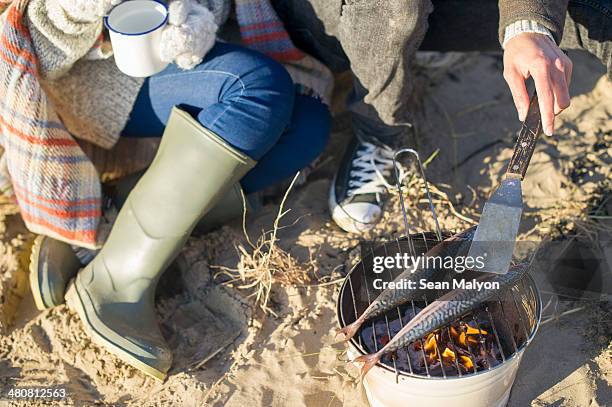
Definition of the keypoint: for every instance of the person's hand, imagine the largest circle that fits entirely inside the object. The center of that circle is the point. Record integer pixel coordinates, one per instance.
(191, 32)
(536, 55)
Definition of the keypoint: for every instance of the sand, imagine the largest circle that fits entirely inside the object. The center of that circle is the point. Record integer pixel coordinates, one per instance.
(227, 352)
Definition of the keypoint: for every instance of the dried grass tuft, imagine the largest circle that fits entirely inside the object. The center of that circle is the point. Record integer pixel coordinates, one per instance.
(263, 264)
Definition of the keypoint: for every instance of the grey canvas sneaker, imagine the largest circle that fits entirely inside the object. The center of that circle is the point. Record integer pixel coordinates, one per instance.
(359, 189)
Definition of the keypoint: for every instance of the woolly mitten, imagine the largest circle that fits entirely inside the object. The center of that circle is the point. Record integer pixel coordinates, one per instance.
(189, 35)
(87, 11)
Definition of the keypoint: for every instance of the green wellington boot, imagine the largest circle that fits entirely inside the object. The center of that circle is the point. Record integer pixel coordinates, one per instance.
(227, 208)
(114, 294)
(53, 263)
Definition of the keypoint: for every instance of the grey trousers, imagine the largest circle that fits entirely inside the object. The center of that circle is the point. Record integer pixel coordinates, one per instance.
(377, 41)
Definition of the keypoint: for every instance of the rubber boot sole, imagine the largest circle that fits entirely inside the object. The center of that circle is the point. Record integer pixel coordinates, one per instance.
(34, 277)
(76, 305)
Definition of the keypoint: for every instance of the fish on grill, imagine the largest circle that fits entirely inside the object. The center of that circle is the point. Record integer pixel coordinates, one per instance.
(456, 245)
(443, 311)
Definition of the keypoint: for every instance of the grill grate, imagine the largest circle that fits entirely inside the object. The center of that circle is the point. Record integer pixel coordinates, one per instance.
(510, 318)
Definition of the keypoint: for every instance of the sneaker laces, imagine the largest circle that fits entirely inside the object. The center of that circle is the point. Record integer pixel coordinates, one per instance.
(370, 169)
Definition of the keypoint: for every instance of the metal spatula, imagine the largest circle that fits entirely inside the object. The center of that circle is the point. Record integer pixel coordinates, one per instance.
(495, 235)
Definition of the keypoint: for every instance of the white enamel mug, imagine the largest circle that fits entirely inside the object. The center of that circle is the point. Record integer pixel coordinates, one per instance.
(135, 28)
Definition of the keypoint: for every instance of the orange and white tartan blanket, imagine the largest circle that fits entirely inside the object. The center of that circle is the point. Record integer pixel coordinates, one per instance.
(55, 184)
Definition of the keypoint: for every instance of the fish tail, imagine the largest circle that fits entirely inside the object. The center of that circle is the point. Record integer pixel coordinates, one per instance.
(368, 362)
(348, 331)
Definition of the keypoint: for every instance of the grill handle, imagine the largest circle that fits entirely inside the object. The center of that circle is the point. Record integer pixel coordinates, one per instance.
(527, 139)
(399, 182)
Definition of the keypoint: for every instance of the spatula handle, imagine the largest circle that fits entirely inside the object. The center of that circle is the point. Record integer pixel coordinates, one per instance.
(526, 142)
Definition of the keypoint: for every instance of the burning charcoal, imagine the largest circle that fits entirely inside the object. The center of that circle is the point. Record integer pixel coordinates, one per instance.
(404, 363)
(466, 363)
(367, 335)
(464, 347)
(430, 344)
(395, 327)
(409, 314)
(435, 369)
(474, 330)
(384, 340)
(448, 356)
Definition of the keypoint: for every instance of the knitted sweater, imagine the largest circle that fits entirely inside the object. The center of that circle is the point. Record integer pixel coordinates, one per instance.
(91, 96)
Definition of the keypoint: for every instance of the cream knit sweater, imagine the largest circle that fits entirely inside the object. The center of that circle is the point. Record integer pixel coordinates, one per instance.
(91, 96)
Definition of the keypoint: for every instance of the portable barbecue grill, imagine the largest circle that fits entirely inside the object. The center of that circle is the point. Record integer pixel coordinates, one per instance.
(482, 349)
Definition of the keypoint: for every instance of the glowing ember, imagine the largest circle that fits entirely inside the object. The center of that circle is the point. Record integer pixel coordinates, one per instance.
(466, 362)
(468, 347)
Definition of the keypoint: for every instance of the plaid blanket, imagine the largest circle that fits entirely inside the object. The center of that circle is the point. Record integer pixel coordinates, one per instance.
(55, 184)
(262, 30)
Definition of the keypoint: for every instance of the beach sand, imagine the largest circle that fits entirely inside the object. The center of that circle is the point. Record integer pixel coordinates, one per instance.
(227, 352)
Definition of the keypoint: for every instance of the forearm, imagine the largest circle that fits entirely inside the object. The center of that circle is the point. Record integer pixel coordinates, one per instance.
(60, 35)
(547, 13)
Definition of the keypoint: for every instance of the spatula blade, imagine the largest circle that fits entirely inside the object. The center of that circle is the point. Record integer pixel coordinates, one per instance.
(495, 235)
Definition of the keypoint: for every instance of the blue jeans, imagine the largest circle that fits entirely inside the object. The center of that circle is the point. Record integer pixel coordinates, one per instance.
(247, 99)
